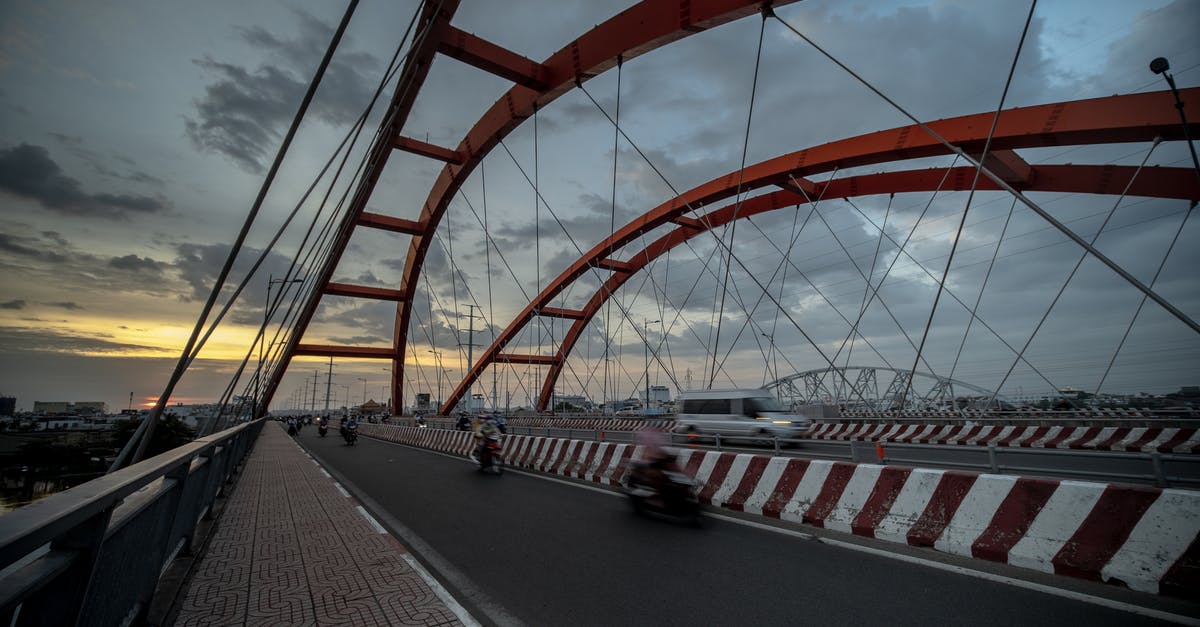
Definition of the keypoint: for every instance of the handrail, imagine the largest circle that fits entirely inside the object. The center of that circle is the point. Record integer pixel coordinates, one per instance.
(97, 528)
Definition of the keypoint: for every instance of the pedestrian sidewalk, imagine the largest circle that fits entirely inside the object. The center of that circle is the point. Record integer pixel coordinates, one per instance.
(293, 548)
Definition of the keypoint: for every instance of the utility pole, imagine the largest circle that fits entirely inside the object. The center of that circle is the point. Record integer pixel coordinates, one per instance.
(471, 351)
(313, 400)
(328, 384)
(646, 337)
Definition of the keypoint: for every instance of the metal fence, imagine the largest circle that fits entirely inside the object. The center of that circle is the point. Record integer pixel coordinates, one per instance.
(93, 555)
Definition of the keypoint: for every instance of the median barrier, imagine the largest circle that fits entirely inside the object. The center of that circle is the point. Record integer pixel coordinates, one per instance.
(1147, 538)
(1130, 439)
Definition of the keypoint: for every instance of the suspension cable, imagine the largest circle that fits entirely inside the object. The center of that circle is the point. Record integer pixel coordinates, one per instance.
(1078, 263)
(732, 226)
(1002, 184)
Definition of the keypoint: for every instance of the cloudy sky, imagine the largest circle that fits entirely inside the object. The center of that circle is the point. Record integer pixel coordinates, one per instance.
(134, 137)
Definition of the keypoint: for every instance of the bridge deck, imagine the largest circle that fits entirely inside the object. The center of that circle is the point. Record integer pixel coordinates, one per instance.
(291, 548)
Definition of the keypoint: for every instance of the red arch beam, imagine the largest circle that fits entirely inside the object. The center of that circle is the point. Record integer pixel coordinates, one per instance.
(1089, 179)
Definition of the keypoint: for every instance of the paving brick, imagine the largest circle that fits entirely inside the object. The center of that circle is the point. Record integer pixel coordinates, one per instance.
(275, 561)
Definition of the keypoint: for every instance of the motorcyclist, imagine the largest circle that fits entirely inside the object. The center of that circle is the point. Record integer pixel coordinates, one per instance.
(351, 428)
(655, 460)
(483, 428)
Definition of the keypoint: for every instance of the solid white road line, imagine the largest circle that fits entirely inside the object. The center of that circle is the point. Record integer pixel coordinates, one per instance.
(459, 611)
(371, 520)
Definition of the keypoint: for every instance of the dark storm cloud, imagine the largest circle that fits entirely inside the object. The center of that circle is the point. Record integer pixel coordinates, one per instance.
(30, 248)
(13, 304)
(134, 263)
(243, 112)
(28, 171)
(51, 340)
(199, 264)
(68, 305)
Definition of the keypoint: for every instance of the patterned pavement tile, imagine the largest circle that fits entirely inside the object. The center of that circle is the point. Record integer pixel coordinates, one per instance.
(274, 561)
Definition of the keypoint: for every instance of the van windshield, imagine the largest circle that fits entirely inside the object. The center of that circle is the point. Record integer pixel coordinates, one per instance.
(762, 404)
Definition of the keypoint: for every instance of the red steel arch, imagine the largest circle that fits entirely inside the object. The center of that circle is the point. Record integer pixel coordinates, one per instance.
(644, 27)
(1133, 118)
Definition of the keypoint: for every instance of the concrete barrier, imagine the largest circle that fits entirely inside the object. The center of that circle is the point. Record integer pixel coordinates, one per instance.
(1134, 439)
(1147, 538)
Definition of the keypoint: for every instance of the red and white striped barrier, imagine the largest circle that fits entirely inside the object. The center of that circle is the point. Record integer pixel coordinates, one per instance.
(1147, 538)
(1137, 439)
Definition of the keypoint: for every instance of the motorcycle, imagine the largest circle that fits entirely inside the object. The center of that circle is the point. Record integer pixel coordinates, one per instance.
(322, 430)
(491, 456)
(351, 434)
(662, 489)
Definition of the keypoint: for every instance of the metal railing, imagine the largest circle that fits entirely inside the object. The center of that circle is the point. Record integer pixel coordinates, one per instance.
(93, 555)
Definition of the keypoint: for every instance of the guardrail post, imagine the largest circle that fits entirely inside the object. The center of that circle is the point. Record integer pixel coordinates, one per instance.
(718, 440)
(776, 438)
(1160, 479)
(992, 460)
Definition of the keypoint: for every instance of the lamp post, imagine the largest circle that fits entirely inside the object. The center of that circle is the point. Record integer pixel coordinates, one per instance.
(646, 336)
(262, 338)
(1160, 66)
(347, 406)
(438, 360)
(364, 380)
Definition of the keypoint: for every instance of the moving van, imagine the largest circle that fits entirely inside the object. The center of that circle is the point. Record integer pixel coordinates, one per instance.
(742, 412)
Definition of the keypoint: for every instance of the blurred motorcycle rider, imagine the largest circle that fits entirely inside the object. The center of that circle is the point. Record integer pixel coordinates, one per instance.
(482, 429)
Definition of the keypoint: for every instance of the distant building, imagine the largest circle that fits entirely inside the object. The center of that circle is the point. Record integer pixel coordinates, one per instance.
(573, 400)
(67, 408)
(422, 402)
(660, 394)
(8, 405)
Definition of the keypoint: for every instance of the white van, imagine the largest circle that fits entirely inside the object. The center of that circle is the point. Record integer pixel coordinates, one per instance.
(745, 412)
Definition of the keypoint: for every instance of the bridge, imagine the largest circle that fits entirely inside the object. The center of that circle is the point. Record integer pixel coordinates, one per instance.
(1034, 247)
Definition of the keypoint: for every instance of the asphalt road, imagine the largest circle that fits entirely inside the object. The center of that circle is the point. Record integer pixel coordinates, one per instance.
(520, 549)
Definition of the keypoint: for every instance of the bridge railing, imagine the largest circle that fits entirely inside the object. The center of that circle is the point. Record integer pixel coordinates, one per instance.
(93, 555)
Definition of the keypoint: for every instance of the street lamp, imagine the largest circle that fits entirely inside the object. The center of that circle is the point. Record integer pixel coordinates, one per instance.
(438, 358)
(347, 406)
(364, 380)
(1160, 66)
(262, 337)
(646, 336)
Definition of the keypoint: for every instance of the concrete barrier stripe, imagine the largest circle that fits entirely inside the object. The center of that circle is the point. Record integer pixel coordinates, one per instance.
(879, 503)
(822, 429)
(605, 459)
(1191, 445)
(909, 505)
(1105, 529)
(692, 465)
(886, 436)
(588, 458)
(708, 464)
(1133, 436)
(924, 435)
(1062, 514)
(1180, 436)
(831, 492)
(1021, 505)
(879, 429)
(974, 514)
(1050, 434)
(1183, 578)
(986, 434)
(1165, 435)
(999, 436)
(1017, 434)
(858, 431)
(1065, 435)
(1029, 438)
(547, 448)
(946, 433)
(1007, 435)
(564, 458)
(531, 453)
(734, 474)
(965, 434)
(952, 488)
(550, 453)
(807, 490)
(911, 435)
(1089, 436)
(785, 488)
(853, 497)
(1148, 436)
(555, 463)
(617, 471)
(760, 478)
(1109, 437)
